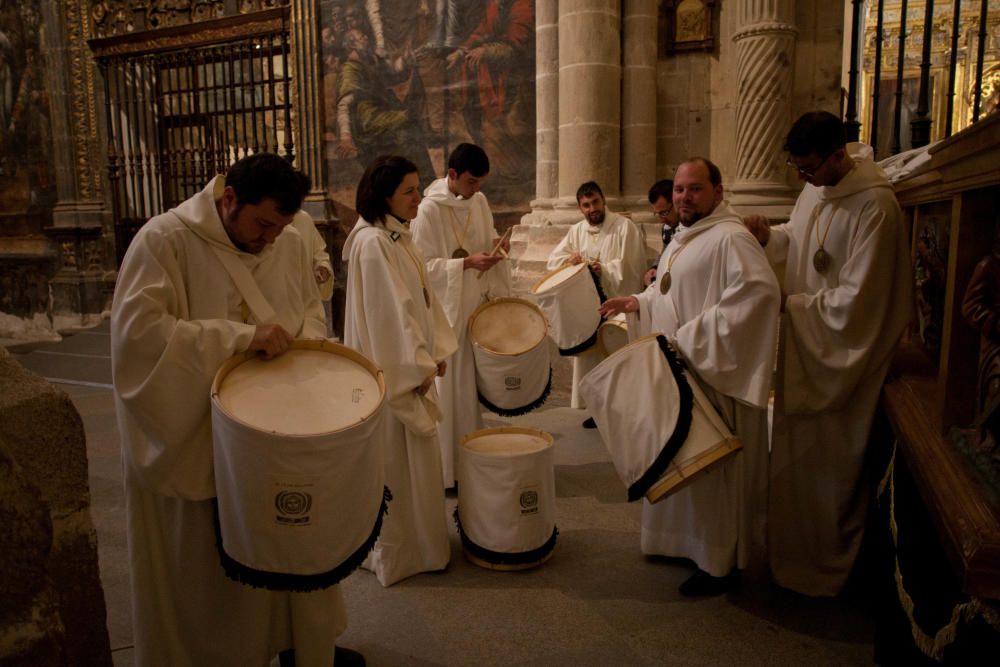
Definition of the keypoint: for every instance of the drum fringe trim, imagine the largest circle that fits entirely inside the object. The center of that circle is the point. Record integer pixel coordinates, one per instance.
(639, 488)
(932, 646)
(523, 410)
(502, 557)
(587, 344)
(300, 583)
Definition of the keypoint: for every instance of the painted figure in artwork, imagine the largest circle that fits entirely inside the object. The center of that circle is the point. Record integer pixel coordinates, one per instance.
(981, 309)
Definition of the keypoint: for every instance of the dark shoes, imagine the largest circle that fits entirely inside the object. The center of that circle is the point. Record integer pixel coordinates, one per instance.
(342, 657)
(589, 423)
(701, 583)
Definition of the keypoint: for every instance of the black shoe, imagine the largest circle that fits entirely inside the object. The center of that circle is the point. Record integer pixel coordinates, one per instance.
(345, 657)
(589, 423)
(701, 583)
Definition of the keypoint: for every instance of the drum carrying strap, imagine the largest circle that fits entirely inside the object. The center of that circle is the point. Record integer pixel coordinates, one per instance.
(247, 286)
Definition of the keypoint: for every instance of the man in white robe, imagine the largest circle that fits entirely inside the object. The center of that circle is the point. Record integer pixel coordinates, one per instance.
(720, 313)
(846, 299)
(316, 245)
(455, 234)
(177, 316)
(614, 248)
(393, 317)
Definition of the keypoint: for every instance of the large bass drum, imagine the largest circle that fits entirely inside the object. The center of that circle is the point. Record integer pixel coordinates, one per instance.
(298, 470)
(569, 298)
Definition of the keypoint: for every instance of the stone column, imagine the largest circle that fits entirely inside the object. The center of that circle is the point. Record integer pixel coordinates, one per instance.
(639, 102)
(765, 47)
(546, 103)
(589, 97)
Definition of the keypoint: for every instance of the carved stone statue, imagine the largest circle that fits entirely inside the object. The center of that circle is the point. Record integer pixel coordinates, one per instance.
(981, 309)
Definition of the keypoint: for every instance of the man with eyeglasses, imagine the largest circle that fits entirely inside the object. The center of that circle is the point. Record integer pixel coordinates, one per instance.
(845, 300)
(661, 199)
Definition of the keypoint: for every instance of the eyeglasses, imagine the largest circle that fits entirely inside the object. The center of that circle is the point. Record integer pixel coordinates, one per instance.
(665, 213)
(811, 172)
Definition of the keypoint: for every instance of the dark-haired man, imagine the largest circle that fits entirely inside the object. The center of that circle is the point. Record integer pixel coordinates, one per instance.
(455, 234)
(661, 199)
(615, 250)
(716, 300)
(182, 306)
(846, 298)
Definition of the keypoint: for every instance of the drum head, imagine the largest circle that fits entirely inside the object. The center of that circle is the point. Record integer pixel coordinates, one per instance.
(506, 441)
(508, 326)
(557, 277)
(302, 392)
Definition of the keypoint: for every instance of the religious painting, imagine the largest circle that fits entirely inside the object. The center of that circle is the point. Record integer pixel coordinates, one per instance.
(687, 25)
(27, 183)
(887, 110)
(418, 77)
(930, 273)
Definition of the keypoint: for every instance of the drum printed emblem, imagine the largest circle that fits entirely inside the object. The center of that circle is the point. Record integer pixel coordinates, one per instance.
(529, 501)
(293, 507)
(512, 382)
(357, 394)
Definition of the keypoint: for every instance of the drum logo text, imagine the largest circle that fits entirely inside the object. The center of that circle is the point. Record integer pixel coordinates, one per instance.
(357, 394)
(529, 501)
(293, 507)
(512, 382)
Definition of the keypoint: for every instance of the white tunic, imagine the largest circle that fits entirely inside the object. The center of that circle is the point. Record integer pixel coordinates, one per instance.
(621, 248)
(617, 243)
(838, 333)
(443, 224)
(388, 319)
(176, 317)
(721, 315)
(316, 245)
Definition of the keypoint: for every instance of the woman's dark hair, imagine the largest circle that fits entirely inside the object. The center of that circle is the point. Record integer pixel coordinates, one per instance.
(379, 183)
(266, 175)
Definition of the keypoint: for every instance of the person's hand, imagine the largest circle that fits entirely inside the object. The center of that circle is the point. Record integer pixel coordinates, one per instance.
(474, 56)
(321, 274)
(574, 259)
(619, 304)
(442, 367)
(595, 266)
(455, 57)
(759, 227)
(270, 341)
(650, 276)
(483, 261)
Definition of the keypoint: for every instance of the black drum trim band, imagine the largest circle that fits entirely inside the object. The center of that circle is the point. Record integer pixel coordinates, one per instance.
(639, 488)
(504, 558)
(300, 583)
(523, 410)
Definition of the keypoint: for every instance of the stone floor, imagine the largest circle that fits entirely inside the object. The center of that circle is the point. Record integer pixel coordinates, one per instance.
(598, 601)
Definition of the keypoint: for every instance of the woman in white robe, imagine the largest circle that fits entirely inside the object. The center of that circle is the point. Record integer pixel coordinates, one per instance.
(393, 317)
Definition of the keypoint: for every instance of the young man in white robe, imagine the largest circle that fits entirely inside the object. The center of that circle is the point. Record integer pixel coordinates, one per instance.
(393, 317)
(615, 249)
(177, 316)
(846, 299)
(454, 232)
(716, 300)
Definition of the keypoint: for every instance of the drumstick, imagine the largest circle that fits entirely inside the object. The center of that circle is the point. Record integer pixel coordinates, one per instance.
(498, 247)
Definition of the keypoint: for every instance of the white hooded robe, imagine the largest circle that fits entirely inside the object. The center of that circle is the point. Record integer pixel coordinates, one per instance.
(443, 224)
(176, 317)
(388, 319)
(838, 333)
(721, 316)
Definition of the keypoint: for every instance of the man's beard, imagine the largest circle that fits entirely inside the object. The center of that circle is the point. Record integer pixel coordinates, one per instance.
(598, 215)
(695, 217)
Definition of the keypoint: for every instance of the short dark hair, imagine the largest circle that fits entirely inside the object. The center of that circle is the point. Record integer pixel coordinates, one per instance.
(816, 132)
(379, 183)
(714, 175)
(587, 189)
(469, 158)
(662, 188)
(268, 176)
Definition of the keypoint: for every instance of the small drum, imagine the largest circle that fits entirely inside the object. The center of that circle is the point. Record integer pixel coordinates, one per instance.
(506, 497)
(513, 370)
(298, 469)
(569, 298)
(613, 334)
(658, 426)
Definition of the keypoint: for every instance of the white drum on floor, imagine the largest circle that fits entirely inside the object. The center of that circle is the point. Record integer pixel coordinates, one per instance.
(298, 476)
(569, 299)
(658, 426)
(506, 497)
(509, 344)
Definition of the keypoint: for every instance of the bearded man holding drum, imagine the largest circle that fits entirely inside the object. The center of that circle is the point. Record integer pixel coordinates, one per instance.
(716, 300)
(180, 310)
